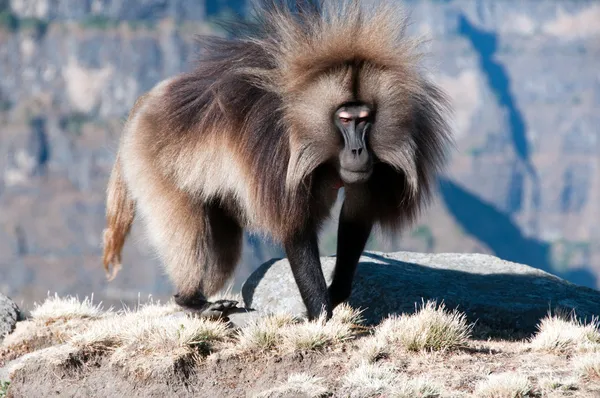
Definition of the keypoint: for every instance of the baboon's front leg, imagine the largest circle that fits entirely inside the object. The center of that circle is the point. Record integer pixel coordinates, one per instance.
(354, 229)
(303, 254)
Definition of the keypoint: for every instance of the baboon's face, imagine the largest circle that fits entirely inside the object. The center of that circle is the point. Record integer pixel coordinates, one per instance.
(353, 122)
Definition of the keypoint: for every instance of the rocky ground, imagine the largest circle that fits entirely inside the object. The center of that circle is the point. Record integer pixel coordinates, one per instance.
(76, 348)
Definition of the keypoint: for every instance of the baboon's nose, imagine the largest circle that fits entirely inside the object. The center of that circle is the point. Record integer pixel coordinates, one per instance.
(355, 159)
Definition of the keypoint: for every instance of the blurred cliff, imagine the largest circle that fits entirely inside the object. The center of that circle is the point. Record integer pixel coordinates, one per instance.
(524, 182)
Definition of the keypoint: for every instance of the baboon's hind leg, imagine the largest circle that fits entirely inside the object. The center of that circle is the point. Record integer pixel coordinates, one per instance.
(220, 240)
(198, 243)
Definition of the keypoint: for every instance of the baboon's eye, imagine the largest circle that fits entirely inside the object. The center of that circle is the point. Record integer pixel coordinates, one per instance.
(345, 117)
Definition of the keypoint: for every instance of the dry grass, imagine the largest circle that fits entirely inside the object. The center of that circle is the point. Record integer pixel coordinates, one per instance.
(561, 334)
(155, 308)
(555, 386)
(51, 322)
(57, 308)
(264, 334)
(345, 314)
(416, 388)
(588, 367)
(155, 333)
(284, 332)
(149, 340)
(375, 347)
(400, 358)
(152, 347)
(370, 380)
(301, 384)
(431, 328)
(148, 345)
(319, 333)
(504, 385)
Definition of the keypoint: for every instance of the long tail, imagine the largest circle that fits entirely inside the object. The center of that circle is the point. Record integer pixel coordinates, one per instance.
(120, 211)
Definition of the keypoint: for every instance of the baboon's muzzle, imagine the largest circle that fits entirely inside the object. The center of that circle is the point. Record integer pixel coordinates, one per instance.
(355, 159)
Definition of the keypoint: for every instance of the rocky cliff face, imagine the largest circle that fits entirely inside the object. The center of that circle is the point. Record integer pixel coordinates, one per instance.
(524, 183)
(525, 179)
(147, 10)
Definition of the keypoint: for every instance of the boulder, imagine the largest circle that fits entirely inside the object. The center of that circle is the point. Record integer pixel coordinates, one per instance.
(497, 294)
(9, 315)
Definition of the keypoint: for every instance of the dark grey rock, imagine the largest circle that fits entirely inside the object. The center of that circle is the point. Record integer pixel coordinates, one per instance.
(498, 294)
(9, 315)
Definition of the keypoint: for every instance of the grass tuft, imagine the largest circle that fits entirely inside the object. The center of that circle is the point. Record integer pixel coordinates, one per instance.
(300, 384)
(317, 334)
(345, 314)
(375, 347)
(284, 331)
(549, 385)
(431, 328)
(152, 347)
(559, 334)
(264, 334)
(504, 385)
(147, 345)
(370, 380)
(588, 367)
(151, 332)
(416, 388)
(57, 308)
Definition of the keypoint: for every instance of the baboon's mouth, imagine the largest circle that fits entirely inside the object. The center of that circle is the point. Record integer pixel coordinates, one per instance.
(355, 176)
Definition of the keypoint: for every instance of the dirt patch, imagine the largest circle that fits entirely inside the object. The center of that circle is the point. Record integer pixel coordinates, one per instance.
(30, 336)
(86, 375)
(72, 373)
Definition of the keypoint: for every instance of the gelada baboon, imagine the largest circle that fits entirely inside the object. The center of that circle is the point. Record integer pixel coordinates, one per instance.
(273, 120)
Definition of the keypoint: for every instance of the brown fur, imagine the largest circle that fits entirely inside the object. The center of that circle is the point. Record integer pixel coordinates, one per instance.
(120, 212)
(245, 140)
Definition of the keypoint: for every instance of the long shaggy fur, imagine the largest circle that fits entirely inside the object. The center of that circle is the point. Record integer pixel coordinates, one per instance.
(249, 131)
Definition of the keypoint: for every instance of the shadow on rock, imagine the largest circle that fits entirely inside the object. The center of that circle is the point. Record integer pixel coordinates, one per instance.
(499, 295)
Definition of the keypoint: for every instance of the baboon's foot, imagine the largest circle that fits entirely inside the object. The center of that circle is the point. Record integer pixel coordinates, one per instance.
(199, 306)
(218, 309)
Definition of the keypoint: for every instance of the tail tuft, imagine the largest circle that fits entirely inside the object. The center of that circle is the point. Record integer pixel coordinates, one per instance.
(120, 212)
